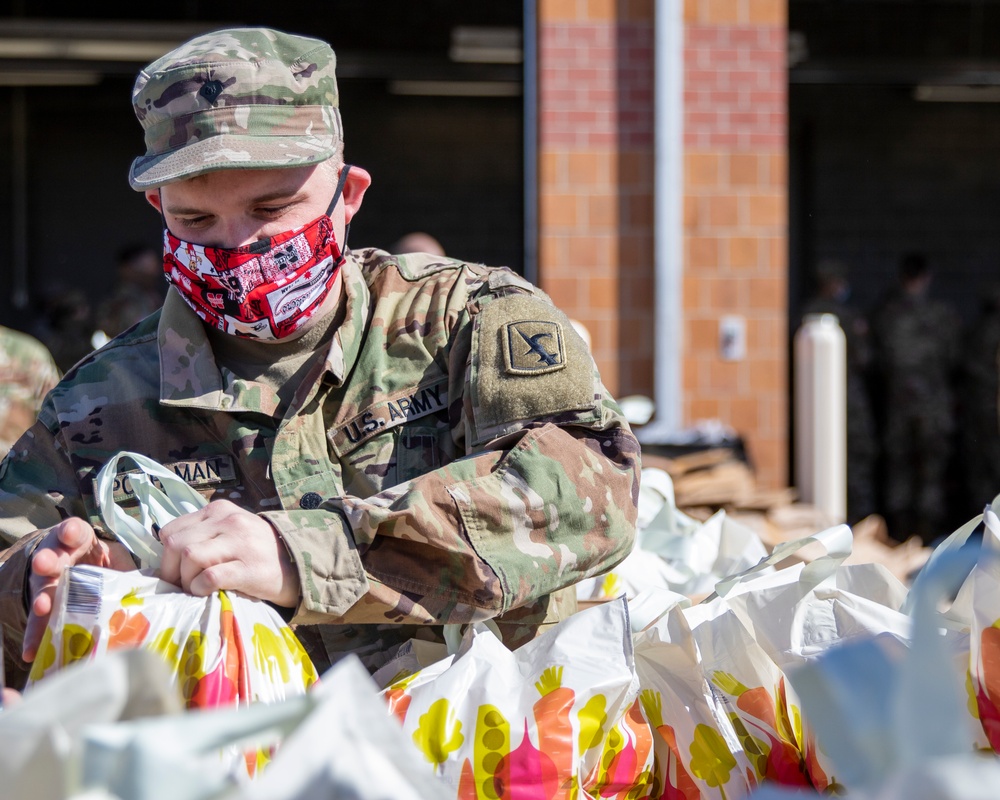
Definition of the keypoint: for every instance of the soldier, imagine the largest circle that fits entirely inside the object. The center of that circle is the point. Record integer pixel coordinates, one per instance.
(917, 341)
(418, 242)
(27, 372)
(138, 291)
(980, 431)
(388, 443)
(832, 297)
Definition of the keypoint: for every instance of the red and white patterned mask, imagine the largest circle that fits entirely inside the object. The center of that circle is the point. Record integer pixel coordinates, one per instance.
(265, 290)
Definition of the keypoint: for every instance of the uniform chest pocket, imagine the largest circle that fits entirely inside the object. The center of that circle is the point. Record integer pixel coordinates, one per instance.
(397, 455)
(421, 449)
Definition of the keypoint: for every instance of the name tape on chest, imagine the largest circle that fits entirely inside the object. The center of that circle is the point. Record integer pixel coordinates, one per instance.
(387, 414)
(196, 473)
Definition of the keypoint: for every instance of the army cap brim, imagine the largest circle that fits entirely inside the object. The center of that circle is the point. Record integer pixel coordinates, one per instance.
(229, 151)
(240, 98)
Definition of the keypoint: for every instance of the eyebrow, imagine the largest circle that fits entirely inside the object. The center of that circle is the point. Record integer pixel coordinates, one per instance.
(282, 194)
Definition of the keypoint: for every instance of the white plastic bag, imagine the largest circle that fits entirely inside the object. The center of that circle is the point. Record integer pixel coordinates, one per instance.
(559, 712)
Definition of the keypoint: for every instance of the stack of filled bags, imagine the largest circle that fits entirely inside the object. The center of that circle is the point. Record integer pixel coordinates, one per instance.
(796, 670)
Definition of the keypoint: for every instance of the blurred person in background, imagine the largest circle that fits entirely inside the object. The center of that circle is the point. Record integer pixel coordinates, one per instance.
(979, 433)
(917, 341)
(833, 296)
(65, 324)
(418, 242)
(139, 289)
(27, 372)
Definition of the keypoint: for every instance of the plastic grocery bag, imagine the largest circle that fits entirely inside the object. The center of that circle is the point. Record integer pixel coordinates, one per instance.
(113, 728)
(40, 737)
(697, 752)
(752, 690)
(985, 631)
(223, 650)
(558, 715)
(906, 716)
(792, 615)
(674, 551)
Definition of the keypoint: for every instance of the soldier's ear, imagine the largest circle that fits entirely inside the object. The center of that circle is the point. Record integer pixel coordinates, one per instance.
(358, 181)
(153, 198)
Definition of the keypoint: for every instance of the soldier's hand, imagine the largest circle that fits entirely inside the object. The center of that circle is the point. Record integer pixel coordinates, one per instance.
(70, 542)
(223, 546)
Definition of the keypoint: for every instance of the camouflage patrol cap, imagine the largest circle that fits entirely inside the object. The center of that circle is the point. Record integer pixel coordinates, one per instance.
(243, 98)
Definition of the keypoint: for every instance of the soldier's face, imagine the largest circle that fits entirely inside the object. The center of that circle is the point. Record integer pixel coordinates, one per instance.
(233, 207)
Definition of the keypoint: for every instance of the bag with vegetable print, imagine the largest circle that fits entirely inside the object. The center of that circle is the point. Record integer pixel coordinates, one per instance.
(223, 650)
(557, 718)
(788, 617)
(698, 752)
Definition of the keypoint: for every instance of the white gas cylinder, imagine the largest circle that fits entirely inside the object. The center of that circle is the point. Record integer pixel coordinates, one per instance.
(821, 415)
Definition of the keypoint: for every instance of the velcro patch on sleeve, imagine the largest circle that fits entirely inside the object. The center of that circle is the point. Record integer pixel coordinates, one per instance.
(527, 363)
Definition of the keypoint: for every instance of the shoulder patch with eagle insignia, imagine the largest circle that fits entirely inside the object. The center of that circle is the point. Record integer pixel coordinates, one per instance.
(533, 347)
(528, 364)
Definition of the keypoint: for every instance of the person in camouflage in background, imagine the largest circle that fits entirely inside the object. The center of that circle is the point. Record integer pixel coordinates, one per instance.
(980, 393)
(917, 344)
(389, 443)
(27, 372)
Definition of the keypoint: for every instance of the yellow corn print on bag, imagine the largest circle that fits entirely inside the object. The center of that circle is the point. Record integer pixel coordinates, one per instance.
(224, 650)
(557, 718)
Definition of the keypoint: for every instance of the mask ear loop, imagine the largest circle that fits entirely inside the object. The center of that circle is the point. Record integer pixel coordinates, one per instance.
(336, 199)
(159, 194)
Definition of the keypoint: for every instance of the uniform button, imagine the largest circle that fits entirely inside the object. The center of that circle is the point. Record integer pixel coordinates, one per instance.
(310, 500)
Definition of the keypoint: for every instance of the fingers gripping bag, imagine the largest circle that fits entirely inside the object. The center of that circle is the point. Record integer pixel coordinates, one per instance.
(223, 650)
(556, 718)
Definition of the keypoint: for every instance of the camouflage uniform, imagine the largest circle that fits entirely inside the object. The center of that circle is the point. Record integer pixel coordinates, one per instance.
(454, 457)
(917, 341)
(27, 372)
(980, 428)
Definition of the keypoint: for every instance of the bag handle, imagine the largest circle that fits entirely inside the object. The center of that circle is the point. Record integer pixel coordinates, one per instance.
(158, 504)
(837, 541)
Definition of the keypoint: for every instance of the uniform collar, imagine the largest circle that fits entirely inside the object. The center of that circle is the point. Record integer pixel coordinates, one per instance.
(190, 376)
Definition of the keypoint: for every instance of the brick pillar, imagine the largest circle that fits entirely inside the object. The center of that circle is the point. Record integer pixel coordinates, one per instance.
(735, 221)
(596, 185)
(595, 67)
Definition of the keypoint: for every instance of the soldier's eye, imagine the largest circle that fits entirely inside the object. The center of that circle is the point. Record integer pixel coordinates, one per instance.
(272, 211)
(195, 222)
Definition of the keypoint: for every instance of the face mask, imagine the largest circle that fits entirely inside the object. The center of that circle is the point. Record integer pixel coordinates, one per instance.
(266, 290)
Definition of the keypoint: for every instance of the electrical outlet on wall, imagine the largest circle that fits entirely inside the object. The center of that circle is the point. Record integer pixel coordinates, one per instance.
(732, 337)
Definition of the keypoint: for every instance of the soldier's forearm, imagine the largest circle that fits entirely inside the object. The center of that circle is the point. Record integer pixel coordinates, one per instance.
(475, 538)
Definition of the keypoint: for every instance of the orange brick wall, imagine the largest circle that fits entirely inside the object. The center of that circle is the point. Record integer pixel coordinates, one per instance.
(596, 241)
(735, 222)
(595, 64)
